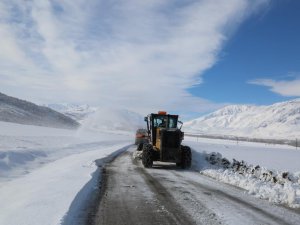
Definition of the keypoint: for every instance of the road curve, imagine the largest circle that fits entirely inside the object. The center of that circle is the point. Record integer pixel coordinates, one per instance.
(131, 194)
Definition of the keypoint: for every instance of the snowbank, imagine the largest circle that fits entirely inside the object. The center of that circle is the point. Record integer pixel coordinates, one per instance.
(47, 175)
(280, 187)
(54, 193)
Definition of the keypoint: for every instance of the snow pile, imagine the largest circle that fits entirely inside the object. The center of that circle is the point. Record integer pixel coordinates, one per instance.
(137, 155)
(113, 120)
(276, 186)
(280, 120)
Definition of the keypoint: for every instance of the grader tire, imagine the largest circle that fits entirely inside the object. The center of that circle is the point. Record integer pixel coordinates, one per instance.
(140, 147)
(147, 156)
(186, 157)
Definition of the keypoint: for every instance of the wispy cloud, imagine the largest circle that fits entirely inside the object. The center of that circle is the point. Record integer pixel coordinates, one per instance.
(142, 55)
(287, 88)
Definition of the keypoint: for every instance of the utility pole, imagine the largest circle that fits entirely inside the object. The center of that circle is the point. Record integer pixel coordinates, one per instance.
(296, 143)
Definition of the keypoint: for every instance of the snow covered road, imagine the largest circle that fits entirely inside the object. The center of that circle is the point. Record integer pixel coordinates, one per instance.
(167, 195)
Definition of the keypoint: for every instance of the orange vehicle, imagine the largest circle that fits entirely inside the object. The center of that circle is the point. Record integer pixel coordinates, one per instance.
(141, 137)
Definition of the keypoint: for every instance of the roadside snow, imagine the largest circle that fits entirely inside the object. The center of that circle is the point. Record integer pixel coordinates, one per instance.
(278, 157)
(24, 148)
(47, 194)
(47, 175)
(273, 175)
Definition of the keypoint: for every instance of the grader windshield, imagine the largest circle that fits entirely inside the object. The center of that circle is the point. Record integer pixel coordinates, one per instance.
(165, 121)
(158, 121)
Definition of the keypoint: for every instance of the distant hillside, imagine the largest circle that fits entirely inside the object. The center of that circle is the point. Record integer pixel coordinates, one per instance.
(15, 110)
(280, 120)
(76, 112)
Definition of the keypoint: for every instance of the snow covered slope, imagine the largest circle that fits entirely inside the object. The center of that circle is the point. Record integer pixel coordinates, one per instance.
(15, 110)
(76, 112)
(281, 120)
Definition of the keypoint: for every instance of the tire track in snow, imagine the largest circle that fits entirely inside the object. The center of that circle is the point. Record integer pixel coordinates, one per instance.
(165, 194)
(131, 197)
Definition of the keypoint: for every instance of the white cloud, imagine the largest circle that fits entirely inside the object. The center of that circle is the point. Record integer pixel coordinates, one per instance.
(287, 88)
(141, 55)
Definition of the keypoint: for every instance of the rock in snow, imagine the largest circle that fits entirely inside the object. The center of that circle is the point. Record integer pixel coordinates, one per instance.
(276, 186)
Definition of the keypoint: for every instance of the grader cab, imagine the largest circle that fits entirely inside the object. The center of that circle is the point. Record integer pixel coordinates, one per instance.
(165, 141)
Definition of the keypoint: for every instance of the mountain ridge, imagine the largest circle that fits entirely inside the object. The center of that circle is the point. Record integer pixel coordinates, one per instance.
(75, 111)
(20, 111)
(279, 120)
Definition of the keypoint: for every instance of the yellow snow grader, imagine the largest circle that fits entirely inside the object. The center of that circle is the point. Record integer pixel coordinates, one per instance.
(165, 141)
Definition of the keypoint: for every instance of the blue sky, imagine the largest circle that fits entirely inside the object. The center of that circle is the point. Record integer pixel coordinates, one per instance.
(186, 56)
(266, 46)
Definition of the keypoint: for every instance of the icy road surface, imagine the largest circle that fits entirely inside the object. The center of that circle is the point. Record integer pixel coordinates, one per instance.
(164, 194)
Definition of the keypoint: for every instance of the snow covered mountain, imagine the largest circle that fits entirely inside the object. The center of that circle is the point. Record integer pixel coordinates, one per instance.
(76, 112)
(280, 120)
(15, 110)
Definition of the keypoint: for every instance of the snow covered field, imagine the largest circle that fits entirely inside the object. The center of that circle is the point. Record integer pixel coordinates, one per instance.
(47, 174)
(278, 157)
(273, 160)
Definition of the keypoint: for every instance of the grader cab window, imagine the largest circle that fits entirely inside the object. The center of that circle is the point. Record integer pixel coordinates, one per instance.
(160, 121)
(172, 122)
(165, 121)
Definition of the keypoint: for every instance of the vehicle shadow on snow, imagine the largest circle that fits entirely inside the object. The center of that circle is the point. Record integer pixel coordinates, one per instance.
(165, 166)
(198, 163)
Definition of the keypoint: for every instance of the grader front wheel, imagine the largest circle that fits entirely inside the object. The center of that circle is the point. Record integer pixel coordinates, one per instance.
(147, 156)
(186, 157)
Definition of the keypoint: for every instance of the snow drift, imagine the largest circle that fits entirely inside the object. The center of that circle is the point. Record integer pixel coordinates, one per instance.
(266, 171)
(276, 186)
